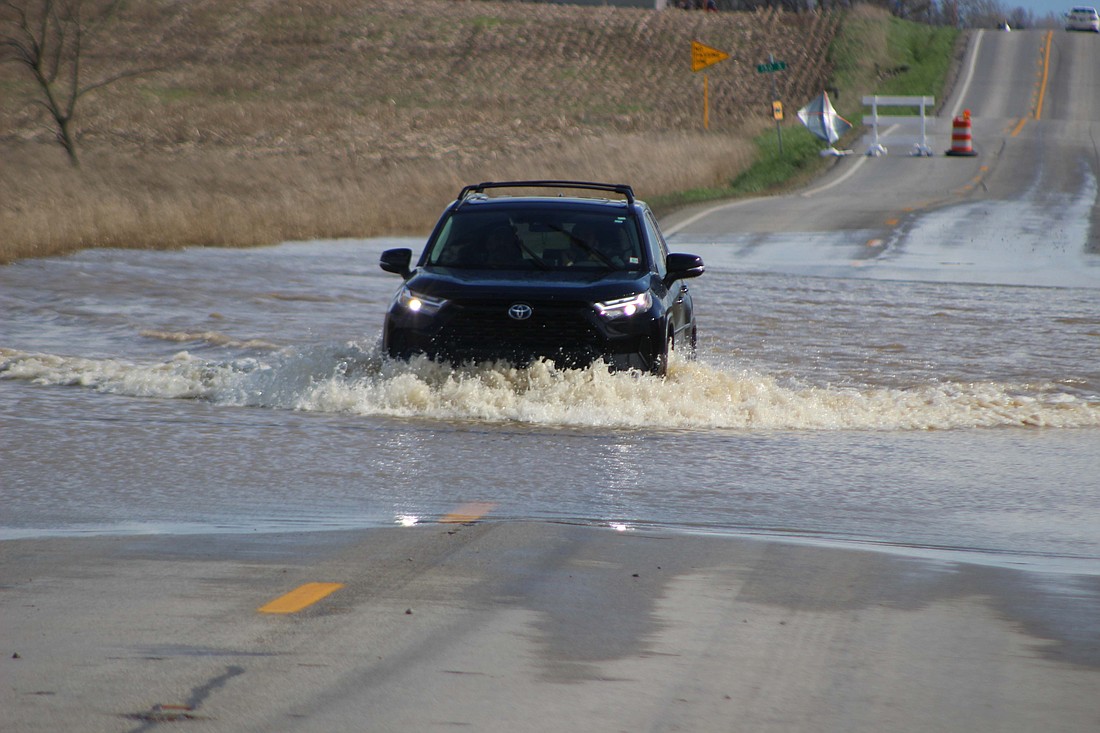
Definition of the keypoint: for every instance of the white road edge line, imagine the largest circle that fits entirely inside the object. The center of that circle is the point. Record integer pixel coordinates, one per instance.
(858, 164)
(669, 231)
(850, 172)
(969, 74)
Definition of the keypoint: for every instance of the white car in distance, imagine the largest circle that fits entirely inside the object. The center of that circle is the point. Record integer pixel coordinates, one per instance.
(1083, 19)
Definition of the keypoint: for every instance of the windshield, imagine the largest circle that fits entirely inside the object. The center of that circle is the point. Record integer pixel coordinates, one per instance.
(537, 239)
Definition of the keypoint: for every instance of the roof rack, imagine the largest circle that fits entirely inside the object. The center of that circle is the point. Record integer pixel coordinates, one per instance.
(620, 188)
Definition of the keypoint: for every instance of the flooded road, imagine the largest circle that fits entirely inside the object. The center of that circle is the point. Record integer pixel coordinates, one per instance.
(902, 359)
(242, 391)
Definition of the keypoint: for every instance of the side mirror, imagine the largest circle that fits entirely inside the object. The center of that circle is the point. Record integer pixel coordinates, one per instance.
(396, 261)
(682, 266)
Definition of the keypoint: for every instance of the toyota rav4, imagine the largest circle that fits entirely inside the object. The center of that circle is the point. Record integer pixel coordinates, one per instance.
(521, 276)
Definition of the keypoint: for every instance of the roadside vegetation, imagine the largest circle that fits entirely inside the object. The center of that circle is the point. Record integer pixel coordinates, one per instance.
(872, 53)
(335, 118)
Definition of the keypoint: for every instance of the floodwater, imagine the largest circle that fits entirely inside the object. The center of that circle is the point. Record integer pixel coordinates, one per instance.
(243, 391)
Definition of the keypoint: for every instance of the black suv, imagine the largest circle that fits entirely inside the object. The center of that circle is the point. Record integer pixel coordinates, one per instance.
(569, 278)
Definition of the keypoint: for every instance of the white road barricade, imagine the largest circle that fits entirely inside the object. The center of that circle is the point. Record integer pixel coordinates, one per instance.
(921, 147)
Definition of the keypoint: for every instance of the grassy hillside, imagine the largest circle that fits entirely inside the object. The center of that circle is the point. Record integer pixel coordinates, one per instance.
(328, 118)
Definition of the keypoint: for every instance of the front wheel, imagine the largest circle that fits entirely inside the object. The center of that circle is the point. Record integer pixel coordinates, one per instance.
(660, 358)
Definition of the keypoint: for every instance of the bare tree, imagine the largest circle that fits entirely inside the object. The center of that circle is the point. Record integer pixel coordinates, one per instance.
(47, 38)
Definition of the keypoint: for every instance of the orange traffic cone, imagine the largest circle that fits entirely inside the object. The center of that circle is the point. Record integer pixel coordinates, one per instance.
(961, 143)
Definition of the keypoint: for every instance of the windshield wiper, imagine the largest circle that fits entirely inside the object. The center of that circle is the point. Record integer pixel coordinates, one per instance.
(539, 262)
(587, 247)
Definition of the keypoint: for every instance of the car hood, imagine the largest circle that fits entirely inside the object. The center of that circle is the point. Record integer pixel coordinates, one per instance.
(454, 283)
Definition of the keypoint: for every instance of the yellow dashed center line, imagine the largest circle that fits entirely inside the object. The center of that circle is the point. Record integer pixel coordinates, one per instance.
(300, 598)
(1044, 76)
(471, 512)
(310, 593)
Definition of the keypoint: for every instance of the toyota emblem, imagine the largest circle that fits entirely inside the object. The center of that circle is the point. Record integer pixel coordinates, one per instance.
(520, 311)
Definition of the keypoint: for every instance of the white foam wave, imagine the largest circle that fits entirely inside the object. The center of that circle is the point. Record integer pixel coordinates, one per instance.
(695, 395)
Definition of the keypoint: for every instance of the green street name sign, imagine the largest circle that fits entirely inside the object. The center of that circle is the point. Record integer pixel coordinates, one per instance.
(773, 66)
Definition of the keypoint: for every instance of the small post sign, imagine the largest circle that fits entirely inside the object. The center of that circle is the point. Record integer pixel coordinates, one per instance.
(771, 66)
(777, 107)
(703, 56)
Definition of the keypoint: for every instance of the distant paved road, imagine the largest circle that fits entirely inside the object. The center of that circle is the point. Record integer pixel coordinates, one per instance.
(1036, 125)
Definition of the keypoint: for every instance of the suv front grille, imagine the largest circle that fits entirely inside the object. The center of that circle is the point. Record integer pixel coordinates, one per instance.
(478, 326)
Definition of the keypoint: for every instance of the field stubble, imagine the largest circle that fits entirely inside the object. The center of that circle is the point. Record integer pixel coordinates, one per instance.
(333, 118)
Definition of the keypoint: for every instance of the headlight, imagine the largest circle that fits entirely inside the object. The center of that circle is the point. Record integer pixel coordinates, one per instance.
(419, 303)
(624, 307)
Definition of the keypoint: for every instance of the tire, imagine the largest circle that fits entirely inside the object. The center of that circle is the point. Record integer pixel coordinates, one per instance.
(660, 358)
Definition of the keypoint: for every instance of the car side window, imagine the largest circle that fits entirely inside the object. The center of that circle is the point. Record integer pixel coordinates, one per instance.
(655, 236)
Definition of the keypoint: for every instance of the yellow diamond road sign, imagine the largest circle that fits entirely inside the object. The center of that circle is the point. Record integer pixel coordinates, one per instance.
(704, 56)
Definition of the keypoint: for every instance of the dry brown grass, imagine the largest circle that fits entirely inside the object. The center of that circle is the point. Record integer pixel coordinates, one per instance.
(332, 118)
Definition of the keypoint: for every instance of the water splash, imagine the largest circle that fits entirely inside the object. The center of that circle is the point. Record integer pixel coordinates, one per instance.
(350, 379)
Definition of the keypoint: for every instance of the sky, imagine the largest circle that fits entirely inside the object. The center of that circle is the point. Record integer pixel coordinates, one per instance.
(1041, 7)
